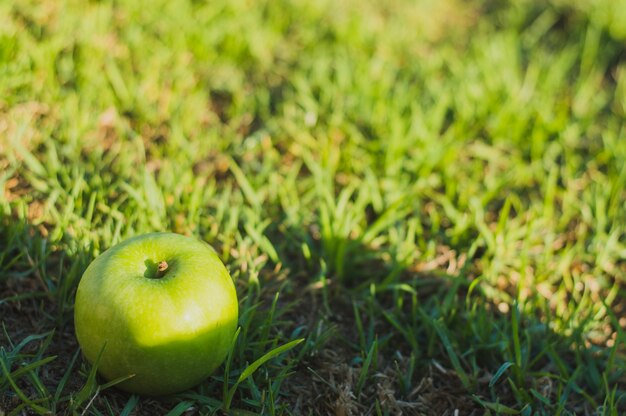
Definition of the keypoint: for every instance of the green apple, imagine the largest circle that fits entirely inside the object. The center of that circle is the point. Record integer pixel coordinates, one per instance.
(161, 307)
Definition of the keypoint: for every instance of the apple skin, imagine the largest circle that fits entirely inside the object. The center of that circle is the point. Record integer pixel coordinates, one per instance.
(169, 332)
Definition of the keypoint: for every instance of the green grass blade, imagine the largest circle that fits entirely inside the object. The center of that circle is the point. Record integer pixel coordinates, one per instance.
(66, 376)
(452, 355)
(90, 389)
(38, 409)
(373, 351)
(180, 408)
(499, 373)
(496, 407)
(255, 366)
(130, 405)
(229, 359)
(244, 184)
(29, 367)
(115, 381)
(266, 357)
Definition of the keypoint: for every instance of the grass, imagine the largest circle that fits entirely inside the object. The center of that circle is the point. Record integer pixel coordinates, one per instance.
(430, 194)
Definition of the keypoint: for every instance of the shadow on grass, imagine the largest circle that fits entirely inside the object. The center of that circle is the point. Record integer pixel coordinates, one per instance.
(381, 337)
(431, 339)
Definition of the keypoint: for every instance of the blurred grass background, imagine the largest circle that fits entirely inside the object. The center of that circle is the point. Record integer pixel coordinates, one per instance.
(431, 192)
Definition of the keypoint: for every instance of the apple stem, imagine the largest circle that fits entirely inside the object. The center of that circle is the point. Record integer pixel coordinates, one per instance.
(161, 269)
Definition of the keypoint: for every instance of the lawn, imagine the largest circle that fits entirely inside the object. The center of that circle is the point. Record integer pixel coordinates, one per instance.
(431, 194)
